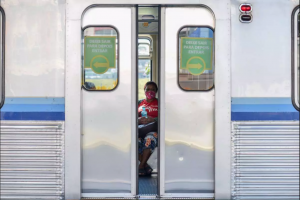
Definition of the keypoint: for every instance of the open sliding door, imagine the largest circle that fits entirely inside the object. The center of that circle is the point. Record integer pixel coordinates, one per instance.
(109, 102)
(187, 102)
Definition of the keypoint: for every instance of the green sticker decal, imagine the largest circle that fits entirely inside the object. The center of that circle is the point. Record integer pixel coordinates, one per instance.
(100, 53)
(196, 54)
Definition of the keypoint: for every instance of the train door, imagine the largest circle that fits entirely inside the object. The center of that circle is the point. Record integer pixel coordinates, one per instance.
(185, 70)
(187, 102)
(108, 102)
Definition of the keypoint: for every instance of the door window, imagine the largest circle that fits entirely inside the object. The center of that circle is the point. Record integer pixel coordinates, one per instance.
(100, 58)
(196, 62)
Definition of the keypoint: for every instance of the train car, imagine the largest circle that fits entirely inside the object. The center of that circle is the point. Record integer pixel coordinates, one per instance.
(73, 74)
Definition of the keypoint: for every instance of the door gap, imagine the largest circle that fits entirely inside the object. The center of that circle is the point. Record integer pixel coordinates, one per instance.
(147, 70)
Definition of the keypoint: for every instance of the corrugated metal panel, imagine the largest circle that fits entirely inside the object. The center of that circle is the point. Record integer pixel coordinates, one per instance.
(265, 161)
(32, 160)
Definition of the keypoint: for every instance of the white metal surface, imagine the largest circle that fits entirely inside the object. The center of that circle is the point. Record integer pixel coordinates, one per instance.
(188, 116)
(108, 117)
(73, 107)
(35, 52)
(32, 160)
(223, 104)
(261, 50)
(265, 160)
(217, 6)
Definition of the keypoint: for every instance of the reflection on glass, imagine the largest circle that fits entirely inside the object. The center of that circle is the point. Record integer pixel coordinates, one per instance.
(144, 49)
(108, 79)
(191, 76)
(144, 75)
(144, 41)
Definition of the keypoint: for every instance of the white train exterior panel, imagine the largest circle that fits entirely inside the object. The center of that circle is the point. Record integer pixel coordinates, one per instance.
(252, 89)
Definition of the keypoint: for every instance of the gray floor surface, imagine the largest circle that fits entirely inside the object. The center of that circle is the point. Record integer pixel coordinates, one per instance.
(148, 185)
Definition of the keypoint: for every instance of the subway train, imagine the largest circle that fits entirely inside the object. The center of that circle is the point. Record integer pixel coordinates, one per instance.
(72, 74)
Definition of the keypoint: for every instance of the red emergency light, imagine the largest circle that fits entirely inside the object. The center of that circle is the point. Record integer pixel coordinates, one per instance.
(245, 8)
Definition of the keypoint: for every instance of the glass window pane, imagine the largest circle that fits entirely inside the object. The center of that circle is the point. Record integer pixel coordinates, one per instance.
(196, 58)
(144, 41)
(144, 50)
(144, 75)
(100, 58)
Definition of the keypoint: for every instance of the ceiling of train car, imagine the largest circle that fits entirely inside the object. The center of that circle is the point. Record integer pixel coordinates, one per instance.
(148, 20)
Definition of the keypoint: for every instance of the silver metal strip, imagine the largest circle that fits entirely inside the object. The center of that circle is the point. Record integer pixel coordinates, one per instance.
(27, 172)
(106, 195)
(133, 103)
(73, 104)
(223, 104)
(162, 104)
(189, 196)
(108, 198)
(265, 165)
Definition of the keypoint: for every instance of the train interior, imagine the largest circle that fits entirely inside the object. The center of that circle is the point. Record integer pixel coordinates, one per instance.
(148, 31)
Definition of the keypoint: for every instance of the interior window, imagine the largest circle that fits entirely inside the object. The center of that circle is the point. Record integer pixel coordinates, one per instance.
(196, 58)
(144, 64)
(100, 58)
(144, 47)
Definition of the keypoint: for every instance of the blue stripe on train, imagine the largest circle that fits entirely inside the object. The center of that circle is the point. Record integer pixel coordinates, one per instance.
(33, 108)
(37, 108)
(34, 100)
(259, 116)
(259, 100)
(262, 108)
(243, 109)
(257, 109)
(51, 116)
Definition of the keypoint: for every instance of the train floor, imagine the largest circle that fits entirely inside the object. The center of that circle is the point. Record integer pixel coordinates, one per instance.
(148, 185)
